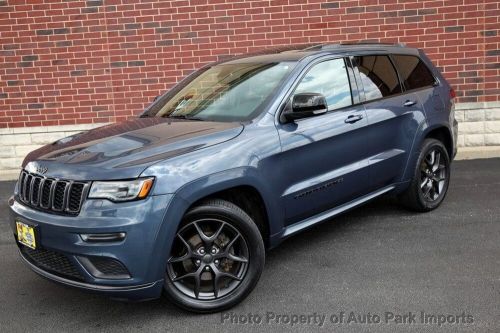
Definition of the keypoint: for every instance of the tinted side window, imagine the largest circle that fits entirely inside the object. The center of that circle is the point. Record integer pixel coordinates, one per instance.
(378, 76)
(413, 72)
(330, 79)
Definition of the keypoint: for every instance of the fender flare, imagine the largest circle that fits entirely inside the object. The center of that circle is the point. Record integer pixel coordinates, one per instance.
(241, 176)
(424, 132)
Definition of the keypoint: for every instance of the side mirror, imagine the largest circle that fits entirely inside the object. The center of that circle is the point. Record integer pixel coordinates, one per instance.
(306, 105)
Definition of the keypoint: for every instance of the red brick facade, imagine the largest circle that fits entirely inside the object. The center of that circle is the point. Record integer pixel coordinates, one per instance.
(75, 62)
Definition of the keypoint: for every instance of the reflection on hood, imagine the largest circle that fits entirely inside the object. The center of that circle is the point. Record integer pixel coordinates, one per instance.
(132, 144)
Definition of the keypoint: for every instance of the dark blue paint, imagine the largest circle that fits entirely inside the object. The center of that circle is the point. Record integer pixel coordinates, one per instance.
(304, 171)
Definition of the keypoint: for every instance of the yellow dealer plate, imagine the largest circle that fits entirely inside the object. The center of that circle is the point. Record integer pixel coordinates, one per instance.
(26, 234)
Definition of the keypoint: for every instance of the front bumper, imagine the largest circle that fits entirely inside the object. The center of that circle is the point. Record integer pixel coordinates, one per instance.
(137, 292)
(64, 251)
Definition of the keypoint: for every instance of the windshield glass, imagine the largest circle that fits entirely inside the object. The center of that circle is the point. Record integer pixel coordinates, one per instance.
(225, 92)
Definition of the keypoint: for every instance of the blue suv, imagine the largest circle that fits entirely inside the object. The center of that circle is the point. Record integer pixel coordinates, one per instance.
(185, 199)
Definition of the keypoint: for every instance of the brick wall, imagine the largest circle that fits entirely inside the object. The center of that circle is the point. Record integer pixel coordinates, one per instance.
(82, 62)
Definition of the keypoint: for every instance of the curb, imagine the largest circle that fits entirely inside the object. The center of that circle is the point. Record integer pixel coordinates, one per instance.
(472, 153)
(9, 175)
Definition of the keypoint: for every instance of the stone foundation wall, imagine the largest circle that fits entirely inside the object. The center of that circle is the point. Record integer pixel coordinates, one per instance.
(478, 124)
(17, 142)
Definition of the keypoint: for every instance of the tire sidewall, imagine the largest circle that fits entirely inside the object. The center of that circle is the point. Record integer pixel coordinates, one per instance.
(249, 231)
(430, 144)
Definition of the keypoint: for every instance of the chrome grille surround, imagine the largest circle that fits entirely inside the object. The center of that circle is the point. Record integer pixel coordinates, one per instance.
(53, 195)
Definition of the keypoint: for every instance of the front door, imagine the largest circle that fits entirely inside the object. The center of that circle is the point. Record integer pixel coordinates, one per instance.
(324, 158)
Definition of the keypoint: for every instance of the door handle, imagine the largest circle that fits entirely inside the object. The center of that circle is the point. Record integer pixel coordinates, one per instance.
(409, 103)
(353, 118)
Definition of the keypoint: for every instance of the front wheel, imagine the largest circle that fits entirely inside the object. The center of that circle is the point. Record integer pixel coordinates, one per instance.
(216, 259)
(431, 178)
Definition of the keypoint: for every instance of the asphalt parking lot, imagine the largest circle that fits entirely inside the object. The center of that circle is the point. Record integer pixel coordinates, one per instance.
(379, 260)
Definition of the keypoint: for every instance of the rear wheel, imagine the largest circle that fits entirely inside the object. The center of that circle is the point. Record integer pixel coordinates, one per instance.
(431, 178)
(216, 259)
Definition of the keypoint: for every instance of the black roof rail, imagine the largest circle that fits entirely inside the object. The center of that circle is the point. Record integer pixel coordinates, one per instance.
(373, 43)
(362, 43)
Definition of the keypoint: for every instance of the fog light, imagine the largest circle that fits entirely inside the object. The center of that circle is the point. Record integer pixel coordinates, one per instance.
(104, 267)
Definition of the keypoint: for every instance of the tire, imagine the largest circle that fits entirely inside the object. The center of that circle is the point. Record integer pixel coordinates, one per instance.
(424, 197)
(228, 237)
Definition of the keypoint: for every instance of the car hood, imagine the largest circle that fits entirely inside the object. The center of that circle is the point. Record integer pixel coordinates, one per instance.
(125, 149)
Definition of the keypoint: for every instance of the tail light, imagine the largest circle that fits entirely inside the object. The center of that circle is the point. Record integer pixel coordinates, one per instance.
(452, 94)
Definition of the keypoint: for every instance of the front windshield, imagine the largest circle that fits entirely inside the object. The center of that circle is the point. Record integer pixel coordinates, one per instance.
(224, 92)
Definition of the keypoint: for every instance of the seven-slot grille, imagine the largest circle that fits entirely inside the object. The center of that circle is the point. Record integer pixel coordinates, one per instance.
(53, 195)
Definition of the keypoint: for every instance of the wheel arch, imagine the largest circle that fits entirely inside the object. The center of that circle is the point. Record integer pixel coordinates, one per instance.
(438, 131)
(244, 188)
(443, 134)
(249, 199)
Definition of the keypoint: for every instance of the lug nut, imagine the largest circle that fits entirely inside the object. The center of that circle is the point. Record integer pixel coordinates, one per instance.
(197, 262)
(202, 251)
(207, 268)
(216, 262)
(214, 251)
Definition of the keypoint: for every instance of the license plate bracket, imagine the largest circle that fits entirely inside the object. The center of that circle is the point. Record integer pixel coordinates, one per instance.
(26, 234)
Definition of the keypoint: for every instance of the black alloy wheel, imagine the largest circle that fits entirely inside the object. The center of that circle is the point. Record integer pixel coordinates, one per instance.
(431, 178)
(433, 175)
(212, 260)
(216, 259)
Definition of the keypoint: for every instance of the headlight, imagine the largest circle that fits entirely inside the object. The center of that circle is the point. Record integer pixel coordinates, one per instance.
(125, 190)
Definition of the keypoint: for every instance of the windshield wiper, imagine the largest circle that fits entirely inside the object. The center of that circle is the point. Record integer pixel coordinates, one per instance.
(183, 116)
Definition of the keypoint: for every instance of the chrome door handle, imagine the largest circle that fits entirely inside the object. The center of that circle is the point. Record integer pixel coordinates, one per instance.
(409, 103)
(353, 118)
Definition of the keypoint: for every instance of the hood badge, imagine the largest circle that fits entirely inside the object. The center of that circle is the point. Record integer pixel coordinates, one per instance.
(41, 170)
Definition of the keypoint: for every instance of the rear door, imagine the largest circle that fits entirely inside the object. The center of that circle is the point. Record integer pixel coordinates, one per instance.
(324, 158)
(393, 118)
(418, 79)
